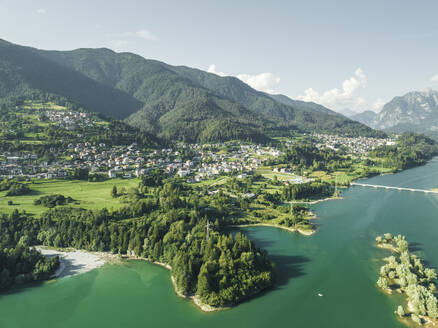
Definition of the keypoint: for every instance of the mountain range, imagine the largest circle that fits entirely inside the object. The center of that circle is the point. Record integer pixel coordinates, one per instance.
(172, 102)
(416, 111)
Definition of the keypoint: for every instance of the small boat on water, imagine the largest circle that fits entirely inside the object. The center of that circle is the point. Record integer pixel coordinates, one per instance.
(319, 294)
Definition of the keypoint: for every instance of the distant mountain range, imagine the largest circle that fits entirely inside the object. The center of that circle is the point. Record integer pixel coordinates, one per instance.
(172, 102)
(416, 111)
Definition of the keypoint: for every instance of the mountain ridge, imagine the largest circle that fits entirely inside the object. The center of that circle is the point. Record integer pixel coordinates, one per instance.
(176, 102)
(415, 111)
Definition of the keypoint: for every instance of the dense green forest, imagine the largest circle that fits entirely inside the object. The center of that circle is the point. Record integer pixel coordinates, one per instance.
(17, 189)
(411, 150)
(20, 264)
(307, 190)
(52, 200)
(304, 154)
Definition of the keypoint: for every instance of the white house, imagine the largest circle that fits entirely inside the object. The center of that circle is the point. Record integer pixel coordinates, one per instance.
(183, 173)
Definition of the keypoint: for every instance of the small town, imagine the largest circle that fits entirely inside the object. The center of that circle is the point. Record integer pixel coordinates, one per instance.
(204, 162)
(357, 146)
(128, 161)
(65, 119)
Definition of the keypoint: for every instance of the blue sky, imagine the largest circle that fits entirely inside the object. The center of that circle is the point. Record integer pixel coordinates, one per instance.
(345, 54)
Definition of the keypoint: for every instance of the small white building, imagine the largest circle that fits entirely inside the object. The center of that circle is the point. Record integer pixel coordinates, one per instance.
(183, 173)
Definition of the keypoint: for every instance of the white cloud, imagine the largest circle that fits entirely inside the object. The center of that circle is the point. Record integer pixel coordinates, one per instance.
(146, 34)
(42, 11)
(378, 105)
(265, 82)
(337, 98)
(434, 78)
(212, 69)
(123, 38)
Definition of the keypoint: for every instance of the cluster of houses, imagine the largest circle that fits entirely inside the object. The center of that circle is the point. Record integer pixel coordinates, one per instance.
(99, 159)
(208, 164)
(26, 165)
(205, 163)
(128, 161)
(192, 161)
(69, 120)
(358, 145)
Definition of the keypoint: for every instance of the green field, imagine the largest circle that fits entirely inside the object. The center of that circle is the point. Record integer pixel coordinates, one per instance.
(90, 195)
(29, 104)
(211, 182)
(268, 173)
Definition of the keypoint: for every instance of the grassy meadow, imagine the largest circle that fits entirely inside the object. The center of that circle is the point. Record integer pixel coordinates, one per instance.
(88, 195)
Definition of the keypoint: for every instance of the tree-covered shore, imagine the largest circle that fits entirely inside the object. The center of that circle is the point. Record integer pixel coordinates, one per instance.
(405, 273)
(339, 166)
(20, 263)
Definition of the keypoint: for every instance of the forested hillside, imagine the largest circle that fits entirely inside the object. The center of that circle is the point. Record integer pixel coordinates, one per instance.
(24, 72)
(177, 103)
(38, 126)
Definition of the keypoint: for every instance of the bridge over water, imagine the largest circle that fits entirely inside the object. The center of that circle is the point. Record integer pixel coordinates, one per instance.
(393, 188)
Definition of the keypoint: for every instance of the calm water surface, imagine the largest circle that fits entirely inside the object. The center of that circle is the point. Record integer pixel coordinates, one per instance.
(339, 261)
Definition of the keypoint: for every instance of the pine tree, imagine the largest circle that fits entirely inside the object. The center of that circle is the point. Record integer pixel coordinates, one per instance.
(114, 192)
(203, 287)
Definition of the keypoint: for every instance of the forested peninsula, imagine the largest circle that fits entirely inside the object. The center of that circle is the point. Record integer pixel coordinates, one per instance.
(168, 224)
(405, 273)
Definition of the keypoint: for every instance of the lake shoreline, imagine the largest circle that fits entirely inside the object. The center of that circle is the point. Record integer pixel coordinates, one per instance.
(194, 298)
(301, 231)
(406, 318)
(88, 261)
(317, 201)
(387, 246)
(74, 262)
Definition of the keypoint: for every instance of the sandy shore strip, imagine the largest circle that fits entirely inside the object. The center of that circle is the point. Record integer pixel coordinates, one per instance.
(313, 202)
(391, 247)
(303, 232)
(74, 262)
